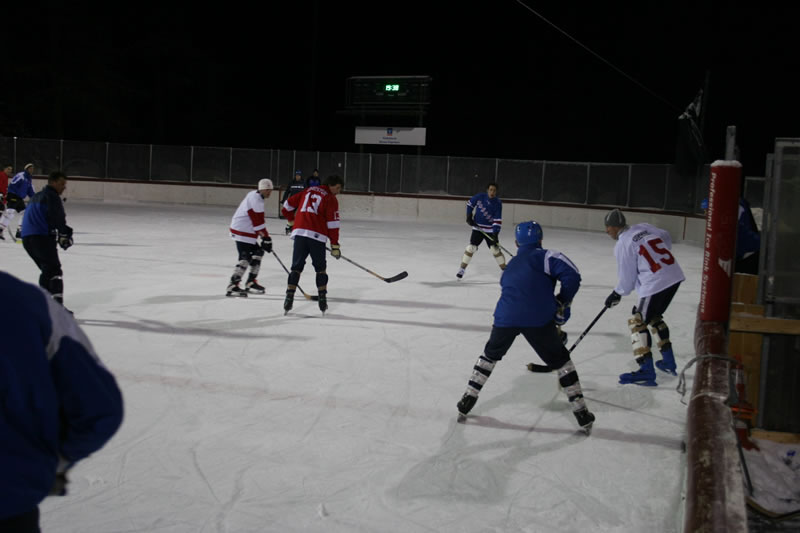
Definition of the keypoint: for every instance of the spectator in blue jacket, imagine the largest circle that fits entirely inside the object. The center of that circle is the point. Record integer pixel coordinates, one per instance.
(43, 225)
(748, 238)
(527, 306)
(20, 187)
(58, 403)
(485, 217)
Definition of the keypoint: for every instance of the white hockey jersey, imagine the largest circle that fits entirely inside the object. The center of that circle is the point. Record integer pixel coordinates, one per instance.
(248, 221)
(645, 261)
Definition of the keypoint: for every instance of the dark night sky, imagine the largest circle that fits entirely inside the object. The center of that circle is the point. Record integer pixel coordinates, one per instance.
(505, 83)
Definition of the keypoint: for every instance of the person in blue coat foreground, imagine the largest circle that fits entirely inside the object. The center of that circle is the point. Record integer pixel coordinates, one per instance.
(58, 403)
(529, 307)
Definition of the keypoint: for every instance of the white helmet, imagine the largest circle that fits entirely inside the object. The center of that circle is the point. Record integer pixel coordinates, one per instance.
(265, 184)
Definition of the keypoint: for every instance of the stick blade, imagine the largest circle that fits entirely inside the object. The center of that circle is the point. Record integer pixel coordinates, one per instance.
(539, 369)
(397, 277)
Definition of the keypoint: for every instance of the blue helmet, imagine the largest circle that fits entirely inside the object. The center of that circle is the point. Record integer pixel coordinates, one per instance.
(529, 232)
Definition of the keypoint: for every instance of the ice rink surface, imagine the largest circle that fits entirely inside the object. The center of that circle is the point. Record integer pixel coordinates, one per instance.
(241, 419)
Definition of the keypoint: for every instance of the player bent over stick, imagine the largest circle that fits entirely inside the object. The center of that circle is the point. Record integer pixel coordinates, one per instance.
(485, 217)
(314, 215)
(527, 306)
(247, 225)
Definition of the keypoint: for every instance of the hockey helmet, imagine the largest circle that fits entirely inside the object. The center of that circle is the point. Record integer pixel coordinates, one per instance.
(265, 184)
(615, 219)
(529, 232)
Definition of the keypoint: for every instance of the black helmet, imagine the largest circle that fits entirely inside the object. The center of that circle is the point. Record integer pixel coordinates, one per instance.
(615, 219)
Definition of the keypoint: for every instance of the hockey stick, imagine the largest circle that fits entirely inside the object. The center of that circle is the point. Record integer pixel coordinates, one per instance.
(396, 277)
(498, 243)
(314, 298)
(543, 369)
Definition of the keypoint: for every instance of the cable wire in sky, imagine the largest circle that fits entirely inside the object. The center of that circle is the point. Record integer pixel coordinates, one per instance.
(601, 58)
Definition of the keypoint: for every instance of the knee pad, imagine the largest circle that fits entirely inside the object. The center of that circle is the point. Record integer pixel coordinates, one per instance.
(322, 280)
(640, 337)
(468, 252)
(659, 330)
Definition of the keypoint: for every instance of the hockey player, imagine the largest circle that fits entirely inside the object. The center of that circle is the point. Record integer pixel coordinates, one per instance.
(527, 306)
(247, 225)
(58, 403)
(315, 215)
(5, 175)
(485, 217)
(645, 263)
(20, 187)
(295, 187)
(44, 224)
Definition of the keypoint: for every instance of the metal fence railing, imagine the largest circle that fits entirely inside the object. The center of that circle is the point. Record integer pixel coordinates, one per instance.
(653, 186)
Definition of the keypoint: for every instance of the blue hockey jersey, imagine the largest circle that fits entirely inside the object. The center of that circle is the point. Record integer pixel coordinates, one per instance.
(528, 283)
(57, 400)
(45, 214)
(21, 184)
(488, 212)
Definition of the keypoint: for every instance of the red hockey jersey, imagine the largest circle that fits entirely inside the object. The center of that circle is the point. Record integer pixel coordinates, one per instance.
(315, 213)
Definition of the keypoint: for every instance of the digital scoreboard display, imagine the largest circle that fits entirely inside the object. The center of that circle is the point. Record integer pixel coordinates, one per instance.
(381, 91)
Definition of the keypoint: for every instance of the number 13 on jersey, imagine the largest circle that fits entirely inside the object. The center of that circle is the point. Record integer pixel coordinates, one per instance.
(311, 203)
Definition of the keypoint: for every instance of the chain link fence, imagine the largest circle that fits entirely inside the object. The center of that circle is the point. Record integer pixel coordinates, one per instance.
(605, 184)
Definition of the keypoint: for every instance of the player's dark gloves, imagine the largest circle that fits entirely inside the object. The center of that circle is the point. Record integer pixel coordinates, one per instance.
(65, 241)
(336, 252)
(613, 299)
(562, 312)
(266, 245)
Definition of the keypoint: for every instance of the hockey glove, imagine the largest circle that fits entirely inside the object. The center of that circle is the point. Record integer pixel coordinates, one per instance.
(336, 251)
(59, 487)
(65, 241)
(470, 220)
(613, 299)
(266, 245)
(562, 335)
(562, 312)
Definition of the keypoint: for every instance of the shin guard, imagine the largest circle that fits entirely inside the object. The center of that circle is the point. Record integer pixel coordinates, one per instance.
(568, 379)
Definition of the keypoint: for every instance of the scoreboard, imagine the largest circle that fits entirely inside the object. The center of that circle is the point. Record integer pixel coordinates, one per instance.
(388, 91)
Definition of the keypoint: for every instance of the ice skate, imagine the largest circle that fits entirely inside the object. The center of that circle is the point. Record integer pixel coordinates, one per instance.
(288, 302)
(645, 376)
(465, 405)
(460, 273)
(1, 234)
(18, 236)
(323, 302)
(235, 290)
(254, 287)
(667, 362)
(585, 419)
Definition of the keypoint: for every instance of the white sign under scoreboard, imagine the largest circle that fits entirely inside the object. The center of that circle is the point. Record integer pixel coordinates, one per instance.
(407, 136)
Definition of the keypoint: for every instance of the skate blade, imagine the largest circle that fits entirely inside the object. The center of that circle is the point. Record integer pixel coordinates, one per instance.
(587, 429)
(639, 383)
(461, 418)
